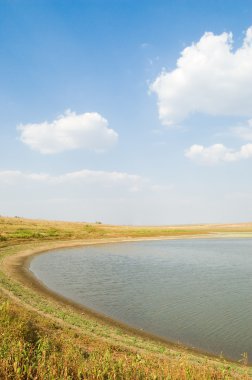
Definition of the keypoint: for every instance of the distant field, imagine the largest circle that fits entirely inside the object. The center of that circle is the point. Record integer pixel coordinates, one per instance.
(41, 338)
(28, 229)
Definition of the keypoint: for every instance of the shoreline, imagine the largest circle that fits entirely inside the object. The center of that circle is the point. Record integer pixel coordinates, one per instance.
(16, 267)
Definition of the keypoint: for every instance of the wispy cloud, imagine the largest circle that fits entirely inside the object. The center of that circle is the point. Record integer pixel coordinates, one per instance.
(244, 132)
(69, 131)
(210, 78)
(110, 196)
(84, 177)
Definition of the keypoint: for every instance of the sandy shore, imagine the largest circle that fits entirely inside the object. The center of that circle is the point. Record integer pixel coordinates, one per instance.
(16, 267)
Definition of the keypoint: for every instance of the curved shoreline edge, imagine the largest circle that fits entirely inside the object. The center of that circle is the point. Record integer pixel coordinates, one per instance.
(16, 267)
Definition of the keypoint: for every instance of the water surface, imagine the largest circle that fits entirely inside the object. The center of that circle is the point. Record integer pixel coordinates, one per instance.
(196, 292)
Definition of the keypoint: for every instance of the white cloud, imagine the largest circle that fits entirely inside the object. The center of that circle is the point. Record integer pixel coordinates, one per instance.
(69, 131)
(210, 78)
(217, 153)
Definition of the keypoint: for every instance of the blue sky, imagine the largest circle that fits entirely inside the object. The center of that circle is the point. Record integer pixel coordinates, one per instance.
(100, 121)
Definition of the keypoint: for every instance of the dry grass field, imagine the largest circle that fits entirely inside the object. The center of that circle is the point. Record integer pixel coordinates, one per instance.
(17, 229)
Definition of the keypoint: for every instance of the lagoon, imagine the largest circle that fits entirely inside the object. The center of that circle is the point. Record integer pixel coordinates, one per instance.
(196, 292)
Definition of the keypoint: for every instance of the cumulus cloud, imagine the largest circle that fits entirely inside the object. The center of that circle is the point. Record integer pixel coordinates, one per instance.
(210, 77)
(69, 131)
(217, 153)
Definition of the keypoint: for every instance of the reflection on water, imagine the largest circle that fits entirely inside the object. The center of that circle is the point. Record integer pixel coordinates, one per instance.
(197, 292)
